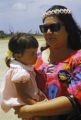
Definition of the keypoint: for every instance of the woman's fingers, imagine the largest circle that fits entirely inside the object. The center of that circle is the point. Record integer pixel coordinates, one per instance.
(19, 115)
(16, 112)
(22, 113)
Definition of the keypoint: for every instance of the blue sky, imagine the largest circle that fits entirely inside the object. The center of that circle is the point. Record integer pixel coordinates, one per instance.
(26, 15)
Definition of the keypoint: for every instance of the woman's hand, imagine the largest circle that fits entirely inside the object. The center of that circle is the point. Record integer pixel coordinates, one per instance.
(21, 111)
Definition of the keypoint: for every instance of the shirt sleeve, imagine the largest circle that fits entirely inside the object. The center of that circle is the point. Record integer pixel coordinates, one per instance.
(20, 75)
(75, 81)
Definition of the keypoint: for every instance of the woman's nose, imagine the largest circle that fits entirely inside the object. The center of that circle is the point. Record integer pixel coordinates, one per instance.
(48, 31)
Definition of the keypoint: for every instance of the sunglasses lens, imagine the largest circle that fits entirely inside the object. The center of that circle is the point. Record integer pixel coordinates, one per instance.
(52, 27)
(55, 27)
(43, 28)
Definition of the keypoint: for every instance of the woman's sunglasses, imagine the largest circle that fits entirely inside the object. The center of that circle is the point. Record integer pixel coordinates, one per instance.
(55, 27)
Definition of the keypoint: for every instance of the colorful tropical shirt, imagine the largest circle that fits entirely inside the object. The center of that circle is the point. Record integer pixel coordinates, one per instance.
(62, 78)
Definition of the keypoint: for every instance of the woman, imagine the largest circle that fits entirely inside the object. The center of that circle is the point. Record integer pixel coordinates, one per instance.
(61, 67)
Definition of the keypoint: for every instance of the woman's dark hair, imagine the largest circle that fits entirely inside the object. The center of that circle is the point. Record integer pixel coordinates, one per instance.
(19, 42)
(74, 32)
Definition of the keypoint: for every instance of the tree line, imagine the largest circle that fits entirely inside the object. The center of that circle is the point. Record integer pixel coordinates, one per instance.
(6, 35)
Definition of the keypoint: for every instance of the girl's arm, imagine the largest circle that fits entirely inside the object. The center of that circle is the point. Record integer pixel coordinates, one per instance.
(56, 106)
(20, 87)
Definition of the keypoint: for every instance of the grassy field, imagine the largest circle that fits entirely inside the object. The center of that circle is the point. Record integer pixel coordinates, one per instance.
(3, 48)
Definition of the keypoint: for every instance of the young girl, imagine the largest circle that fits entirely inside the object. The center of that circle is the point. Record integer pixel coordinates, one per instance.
(19, 86)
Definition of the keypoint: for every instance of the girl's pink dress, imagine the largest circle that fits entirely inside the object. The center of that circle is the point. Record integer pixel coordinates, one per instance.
(18, 73)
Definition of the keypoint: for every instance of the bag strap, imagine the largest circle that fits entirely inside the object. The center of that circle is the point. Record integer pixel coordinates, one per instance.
(75, 103)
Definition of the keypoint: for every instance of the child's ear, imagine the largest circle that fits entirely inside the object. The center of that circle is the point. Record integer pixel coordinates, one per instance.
(17, 55)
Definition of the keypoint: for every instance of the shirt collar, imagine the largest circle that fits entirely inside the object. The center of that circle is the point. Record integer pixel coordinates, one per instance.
(17, 64)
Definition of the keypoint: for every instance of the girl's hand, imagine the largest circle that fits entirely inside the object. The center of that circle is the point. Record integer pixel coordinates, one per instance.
(42, 96)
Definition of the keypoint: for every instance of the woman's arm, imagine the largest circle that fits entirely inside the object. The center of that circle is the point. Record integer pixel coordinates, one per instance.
(56, 106)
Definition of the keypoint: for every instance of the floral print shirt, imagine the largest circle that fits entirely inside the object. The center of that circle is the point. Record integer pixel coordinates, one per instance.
(63, 78)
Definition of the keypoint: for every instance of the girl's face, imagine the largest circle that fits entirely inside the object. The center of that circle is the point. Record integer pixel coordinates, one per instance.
(55, 32)
(28, 57)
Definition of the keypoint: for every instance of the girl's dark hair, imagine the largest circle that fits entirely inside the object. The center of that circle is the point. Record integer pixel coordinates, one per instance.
(73, 30)
(19, 42)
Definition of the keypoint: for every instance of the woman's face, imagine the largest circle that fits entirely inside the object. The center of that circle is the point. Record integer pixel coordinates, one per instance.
(57, 36)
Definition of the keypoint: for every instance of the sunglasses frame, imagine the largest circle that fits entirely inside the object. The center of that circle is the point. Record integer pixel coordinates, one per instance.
(54, 27)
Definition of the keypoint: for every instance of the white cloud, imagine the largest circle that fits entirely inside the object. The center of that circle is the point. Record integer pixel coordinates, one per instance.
(19, 6)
